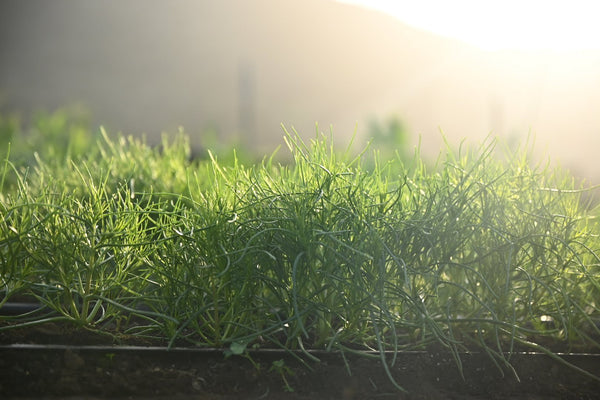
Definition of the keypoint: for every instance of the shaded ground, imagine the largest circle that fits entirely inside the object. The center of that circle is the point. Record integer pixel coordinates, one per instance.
(101, 372)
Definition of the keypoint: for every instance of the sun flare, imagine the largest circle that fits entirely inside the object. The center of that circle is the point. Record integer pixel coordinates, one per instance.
(510, 24)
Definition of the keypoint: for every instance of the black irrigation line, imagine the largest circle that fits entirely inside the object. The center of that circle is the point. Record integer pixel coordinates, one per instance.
(570, 360)
(215, 350)
(19, 308)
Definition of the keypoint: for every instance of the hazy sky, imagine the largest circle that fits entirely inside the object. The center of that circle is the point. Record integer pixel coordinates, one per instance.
(506, 24)
(238, 69)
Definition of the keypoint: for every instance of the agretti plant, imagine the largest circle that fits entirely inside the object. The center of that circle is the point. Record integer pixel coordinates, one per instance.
(475, 251)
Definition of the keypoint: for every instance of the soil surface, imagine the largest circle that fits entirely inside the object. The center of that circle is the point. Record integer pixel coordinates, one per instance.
(47, 363)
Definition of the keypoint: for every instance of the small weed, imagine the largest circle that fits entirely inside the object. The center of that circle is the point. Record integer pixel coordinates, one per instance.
(284, 371)
(240, 349)
(110, 357)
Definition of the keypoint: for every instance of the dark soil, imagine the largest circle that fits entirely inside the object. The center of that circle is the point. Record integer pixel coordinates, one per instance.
(65, 369)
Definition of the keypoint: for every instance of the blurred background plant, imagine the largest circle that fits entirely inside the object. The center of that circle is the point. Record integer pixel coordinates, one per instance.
(56, 137)
(388, 135)
(59, 135)
(388, 138)
(67, 134)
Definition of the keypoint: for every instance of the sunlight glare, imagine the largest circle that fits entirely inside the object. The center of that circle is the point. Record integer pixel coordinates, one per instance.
(509, 24)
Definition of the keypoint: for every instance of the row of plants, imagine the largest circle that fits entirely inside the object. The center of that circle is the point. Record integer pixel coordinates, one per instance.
(479, 251)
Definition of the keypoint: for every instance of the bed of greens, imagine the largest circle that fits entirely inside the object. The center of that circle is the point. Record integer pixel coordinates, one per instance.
(482, 250)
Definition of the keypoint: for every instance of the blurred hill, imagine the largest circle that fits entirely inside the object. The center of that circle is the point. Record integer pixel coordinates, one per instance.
(241, 68)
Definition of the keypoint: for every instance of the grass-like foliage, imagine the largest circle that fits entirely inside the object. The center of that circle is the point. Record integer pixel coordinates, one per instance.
(476, 252)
